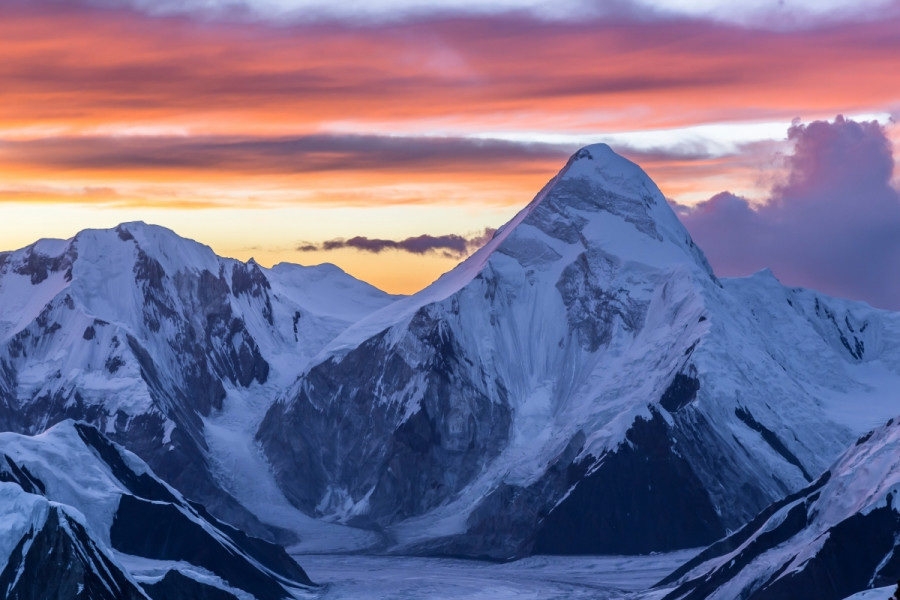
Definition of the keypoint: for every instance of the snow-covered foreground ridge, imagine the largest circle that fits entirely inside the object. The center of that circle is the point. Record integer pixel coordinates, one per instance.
(582, 384)
(837, 536)
(85, 518)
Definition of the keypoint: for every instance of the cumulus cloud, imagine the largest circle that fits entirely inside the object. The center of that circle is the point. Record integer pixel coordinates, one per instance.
(451, 246)
(832, 223)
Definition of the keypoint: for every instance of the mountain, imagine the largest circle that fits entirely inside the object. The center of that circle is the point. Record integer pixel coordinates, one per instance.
(85, 518)
(582, 384)
(164, 346)
(838, 536)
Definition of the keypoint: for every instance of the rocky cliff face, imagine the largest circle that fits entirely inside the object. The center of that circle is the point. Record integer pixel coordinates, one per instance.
(49, 554)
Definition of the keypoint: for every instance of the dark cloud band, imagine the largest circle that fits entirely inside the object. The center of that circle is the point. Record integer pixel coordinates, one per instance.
(296, 154)
(452, 246)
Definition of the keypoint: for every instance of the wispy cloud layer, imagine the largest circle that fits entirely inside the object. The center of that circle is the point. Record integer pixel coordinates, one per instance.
(833, 224)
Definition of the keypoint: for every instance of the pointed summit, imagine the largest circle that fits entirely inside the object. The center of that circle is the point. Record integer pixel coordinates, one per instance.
(603, 201)
(600, 213)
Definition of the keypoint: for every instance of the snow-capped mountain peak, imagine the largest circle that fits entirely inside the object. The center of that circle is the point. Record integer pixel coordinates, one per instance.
(600, 207)
(606, 202)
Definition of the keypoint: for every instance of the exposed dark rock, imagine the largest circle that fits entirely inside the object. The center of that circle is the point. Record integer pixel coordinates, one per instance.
(250, 279)
(21, 475)
(175, 586)
(38, 267)
(844, 330)
(738, 538)
(795, 521)
(681, 392)
(339, 427)
(62, 562)
(296, 320)
(271, 556)
(163, 532)
(555, 216)
(124, 234)
(113, 364)
(851, 559)
(592, 311)
(856, 553)
(142, 485)
(149, 270)
(502, 526)
(47, 410)
(641, 498)
(772, 439)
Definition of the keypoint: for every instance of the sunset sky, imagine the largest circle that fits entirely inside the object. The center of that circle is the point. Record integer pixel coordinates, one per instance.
(276, 128)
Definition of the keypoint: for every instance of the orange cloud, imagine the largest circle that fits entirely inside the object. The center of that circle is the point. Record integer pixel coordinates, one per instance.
(71, 66)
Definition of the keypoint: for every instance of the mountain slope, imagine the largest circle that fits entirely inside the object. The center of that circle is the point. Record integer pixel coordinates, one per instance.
(836, 537)
(149, 336)
(583, 383)
(92, 519)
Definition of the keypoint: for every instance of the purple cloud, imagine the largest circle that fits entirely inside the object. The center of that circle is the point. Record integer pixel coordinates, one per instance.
(451, 246)
(833, 224)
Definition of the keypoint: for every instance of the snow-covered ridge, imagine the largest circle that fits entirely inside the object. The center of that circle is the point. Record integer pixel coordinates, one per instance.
(838, 536)
(72, 482)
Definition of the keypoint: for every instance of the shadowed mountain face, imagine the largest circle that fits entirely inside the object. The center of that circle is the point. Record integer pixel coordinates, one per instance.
(582, 384)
